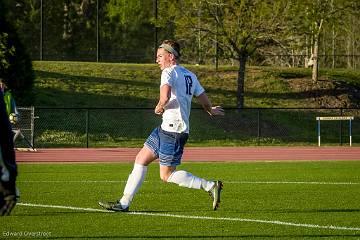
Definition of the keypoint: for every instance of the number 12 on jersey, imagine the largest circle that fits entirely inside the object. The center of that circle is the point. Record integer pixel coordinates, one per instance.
(188, 82)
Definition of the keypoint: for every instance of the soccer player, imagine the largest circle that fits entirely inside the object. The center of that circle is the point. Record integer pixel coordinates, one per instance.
(11, 109)
(166, 142)
(8, 167)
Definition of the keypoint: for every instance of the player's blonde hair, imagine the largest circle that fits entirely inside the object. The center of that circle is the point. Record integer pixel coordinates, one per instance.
(173, 44)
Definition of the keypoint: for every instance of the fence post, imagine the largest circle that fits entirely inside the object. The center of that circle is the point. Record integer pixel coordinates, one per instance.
(33, 126)
(350, 134)
(155, 12)
(97, 33)
(87, 128)
(32, 117)
(318, 131)
(341, 114)
(41, 29)
(258, 127)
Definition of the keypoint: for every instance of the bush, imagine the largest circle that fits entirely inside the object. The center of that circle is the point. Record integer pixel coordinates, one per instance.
(15, 64)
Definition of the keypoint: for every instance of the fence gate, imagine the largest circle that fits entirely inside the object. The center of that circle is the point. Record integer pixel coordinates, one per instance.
(24, 129)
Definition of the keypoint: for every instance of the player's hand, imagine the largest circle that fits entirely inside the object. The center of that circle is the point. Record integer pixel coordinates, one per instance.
(159, 110)
(217, 111)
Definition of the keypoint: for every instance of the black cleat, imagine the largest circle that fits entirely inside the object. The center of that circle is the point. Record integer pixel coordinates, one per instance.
(8, 198)
(113, 206)
(7, 205)
(215, 194)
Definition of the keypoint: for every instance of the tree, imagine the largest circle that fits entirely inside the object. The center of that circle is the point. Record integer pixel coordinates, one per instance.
(239, 27)
(24, 16)
(310, 16)
(127, 30)
(15, 64)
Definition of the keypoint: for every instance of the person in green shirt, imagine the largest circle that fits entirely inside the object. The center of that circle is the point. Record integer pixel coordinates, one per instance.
(10, 104)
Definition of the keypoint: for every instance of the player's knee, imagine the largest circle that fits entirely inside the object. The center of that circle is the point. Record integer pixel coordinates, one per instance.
(164, 176)
(166, 172)
(140, 159)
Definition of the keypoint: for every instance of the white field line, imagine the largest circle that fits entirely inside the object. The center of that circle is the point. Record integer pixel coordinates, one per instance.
(227, 182)
(287, 182)
(304, 225)
(73, 181)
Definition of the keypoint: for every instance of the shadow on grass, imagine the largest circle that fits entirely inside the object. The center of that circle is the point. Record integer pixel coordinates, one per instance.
(99, 80)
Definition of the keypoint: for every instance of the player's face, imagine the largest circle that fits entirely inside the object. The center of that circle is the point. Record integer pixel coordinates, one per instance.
(163, 58)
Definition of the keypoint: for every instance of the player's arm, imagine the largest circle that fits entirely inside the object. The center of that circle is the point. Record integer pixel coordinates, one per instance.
(206, 104)
(165, 91)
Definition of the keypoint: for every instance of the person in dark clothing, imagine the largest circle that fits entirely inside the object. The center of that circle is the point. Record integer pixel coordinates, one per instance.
(8, 195)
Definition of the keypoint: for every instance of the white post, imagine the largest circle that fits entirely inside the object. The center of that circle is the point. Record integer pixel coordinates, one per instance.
(318, 128)
(350, 135)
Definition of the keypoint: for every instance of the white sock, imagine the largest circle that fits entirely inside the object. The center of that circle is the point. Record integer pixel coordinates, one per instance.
(207, 185)
(134, 182)
(186, 179)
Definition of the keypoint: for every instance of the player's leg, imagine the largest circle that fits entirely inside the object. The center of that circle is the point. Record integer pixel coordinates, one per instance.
(16, 133)
(137, 176)
(145, 156)
(185, 179)
(170, 154)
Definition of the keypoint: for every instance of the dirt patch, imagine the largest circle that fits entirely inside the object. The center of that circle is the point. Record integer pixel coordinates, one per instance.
(326, 93)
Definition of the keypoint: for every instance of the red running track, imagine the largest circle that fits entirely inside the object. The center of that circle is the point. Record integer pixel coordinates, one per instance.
(191, 154)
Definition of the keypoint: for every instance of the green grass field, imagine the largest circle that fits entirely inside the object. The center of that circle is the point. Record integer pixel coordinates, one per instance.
(261, 200)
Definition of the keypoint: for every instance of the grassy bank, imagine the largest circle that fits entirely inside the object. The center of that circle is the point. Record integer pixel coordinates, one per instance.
(106, 86)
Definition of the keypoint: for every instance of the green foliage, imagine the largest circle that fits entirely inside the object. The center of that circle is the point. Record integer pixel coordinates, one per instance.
(124, 12)
(5, 52)
(127, 28)
(15, 67)
(239, 27)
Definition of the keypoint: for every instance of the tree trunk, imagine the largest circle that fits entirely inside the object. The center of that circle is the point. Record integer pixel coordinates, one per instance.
(316, 51)
(315, 58)
(348, 51)
(241, 80)
(66, 21)
(333, 47)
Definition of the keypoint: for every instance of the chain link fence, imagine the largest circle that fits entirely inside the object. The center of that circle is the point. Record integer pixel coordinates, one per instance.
(129, 127)
(23, 129)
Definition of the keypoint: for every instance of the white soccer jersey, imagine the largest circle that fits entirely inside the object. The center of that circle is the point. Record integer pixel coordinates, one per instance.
(184, 85)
